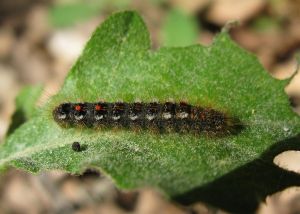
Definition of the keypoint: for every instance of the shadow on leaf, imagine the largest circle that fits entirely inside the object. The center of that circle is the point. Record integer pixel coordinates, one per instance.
(18, 119)
(242, 190)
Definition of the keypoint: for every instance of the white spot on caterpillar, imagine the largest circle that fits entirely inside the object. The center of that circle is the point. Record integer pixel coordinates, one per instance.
(167, 115)
(62, 116)
(183, 115)
(133, 117)
(116, 117)
(150, 117)
(98, 117)
(78, 117)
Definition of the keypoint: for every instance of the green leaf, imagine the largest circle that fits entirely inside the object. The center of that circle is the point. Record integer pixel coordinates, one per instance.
(67, 14)
(64, 14)
(117, 64)
(179, 29)
(25, 106)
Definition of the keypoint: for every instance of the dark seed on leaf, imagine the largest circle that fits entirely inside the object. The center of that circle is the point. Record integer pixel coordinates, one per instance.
(76, 147)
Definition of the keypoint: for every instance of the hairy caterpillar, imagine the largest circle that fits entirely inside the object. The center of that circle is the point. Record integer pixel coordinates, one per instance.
(162, 117)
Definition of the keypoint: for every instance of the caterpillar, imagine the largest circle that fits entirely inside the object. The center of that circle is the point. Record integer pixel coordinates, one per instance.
(162, 117)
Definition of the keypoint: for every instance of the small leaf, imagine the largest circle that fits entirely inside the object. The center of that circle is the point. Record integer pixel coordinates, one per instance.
(25, 106)
(67, 14)
(179, 29)
(117, 64)
(64, 14)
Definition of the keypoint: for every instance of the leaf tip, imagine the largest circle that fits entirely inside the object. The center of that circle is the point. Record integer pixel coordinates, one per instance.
(230, 25)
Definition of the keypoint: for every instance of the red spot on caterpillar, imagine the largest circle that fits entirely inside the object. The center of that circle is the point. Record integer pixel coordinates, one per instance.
(98, 107)
(78, 108)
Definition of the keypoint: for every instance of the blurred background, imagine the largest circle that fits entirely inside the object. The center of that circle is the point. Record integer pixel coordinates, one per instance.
(41, 39)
